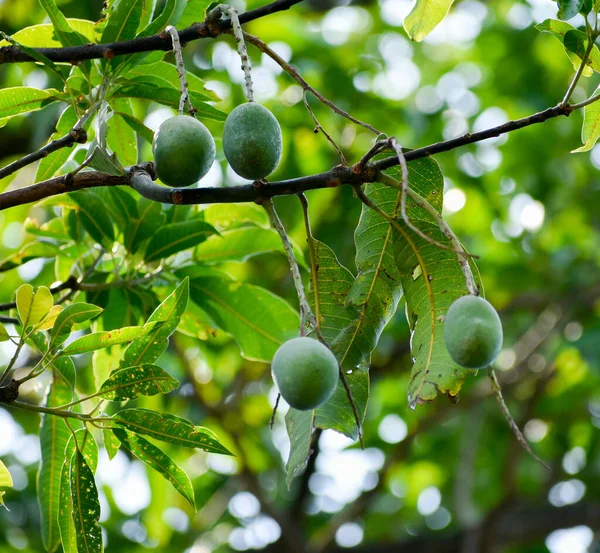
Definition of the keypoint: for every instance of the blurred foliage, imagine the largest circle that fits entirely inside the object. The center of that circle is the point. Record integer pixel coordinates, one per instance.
(523, 203)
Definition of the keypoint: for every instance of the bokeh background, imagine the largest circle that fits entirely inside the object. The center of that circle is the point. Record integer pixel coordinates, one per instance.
(446, 477)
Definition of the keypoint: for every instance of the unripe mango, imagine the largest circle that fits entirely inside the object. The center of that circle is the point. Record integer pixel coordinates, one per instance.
(184, 151)
(252, 141)
(473, 332)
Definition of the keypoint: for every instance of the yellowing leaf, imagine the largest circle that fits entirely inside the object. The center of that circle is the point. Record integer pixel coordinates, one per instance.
(33, 305)
(48, 321)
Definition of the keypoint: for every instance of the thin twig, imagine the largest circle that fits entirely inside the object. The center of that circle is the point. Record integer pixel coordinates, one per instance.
(293, 72)
(185, 96)
(579, 72)
(272, 421)
(511, 422)
(314, 265)
(319, 127)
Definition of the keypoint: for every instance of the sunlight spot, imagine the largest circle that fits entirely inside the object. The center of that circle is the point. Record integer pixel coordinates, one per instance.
(349, 534)
(392, 429)
(571, 540)
(535, 430)
(566, 493)
(454, 200)
(574, 460)
(429, 500)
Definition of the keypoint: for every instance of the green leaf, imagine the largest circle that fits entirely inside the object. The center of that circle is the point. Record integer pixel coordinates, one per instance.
(169, 429)
(48, 321)
(4, 335)
(121, 138)
(569, 8)
(54, 435)
(23, 99)
(99, 154)
(124, 17)
(590, 131)
(86, 506)
(31, 250)
(65, 367)
(101, 340)
(111, 443)
(149, 219)
(425, 16)
(64, 32)
(132, 382)
(242, 244)
(94, 217)
(138, 126)
(75, 313)
(299, 425)
(159, 461)
(168, 16)
(53, 162)
(195, 12)
(44, 36)
(258, 320)
(168, 97)
(223, 216)
(164, 321)
(577, 41)
(33, 306)
(176, 237)
(167, 73)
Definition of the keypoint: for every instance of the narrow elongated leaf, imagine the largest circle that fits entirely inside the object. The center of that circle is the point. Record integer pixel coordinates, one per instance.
(258, 320)
(23, 99)
(169, 97)
(62, 28)
(159, 461)
(65, 367)
(55, 160)
(100, 340)
(123, 20)
(121, 138)
(137, 126)
(590, 131)
(299, 425)
(33, 305)
(242, 244)
(75, 313)
(94, 216)
(164, 321)
(169, 429)
(54, 435)
(86, 506)
(425, 16)
(132, 382)
(44, 36)
(176, 237)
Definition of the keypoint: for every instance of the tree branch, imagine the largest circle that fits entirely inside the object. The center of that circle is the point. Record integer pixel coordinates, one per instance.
(162, 41)
(139, 177)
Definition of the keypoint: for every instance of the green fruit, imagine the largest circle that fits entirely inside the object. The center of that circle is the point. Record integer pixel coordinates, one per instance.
(306, 372)
(252, 141)
(473, 332)
(184, 151)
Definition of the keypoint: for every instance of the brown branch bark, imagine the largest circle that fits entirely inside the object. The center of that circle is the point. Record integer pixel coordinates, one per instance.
(74, 54)
(139, 177)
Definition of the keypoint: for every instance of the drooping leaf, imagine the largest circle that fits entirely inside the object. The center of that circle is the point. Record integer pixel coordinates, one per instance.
(169, 15)
(132, 382)
(121, 138)
(123, 19)
(568, 9)
(164, 320)
(242, 244)
(590, 131)
(137, 126)
(75, 313)
(54, 435)
(24, 99)
(425, 16)
(299, 425)
(159, 461)
(258, 320)
(65, 367)
(168, 428)
(100, 340)
(53, 162)
(176, 237)
(94, 217)
(86, 506)
(33, 305)
(31, 250)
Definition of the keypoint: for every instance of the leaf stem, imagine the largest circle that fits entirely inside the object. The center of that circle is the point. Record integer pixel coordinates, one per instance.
(582, 66)
(185, 96)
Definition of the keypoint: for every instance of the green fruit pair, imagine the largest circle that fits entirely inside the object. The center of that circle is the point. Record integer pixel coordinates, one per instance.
(306, 373)
(473, 332)
(184, 149)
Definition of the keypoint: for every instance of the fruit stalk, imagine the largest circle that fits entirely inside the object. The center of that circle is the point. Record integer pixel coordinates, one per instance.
(185, 96)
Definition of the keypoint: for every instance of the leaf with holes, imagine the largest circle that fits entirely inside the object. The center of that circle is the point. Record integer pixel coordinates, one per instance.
(132, 382)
